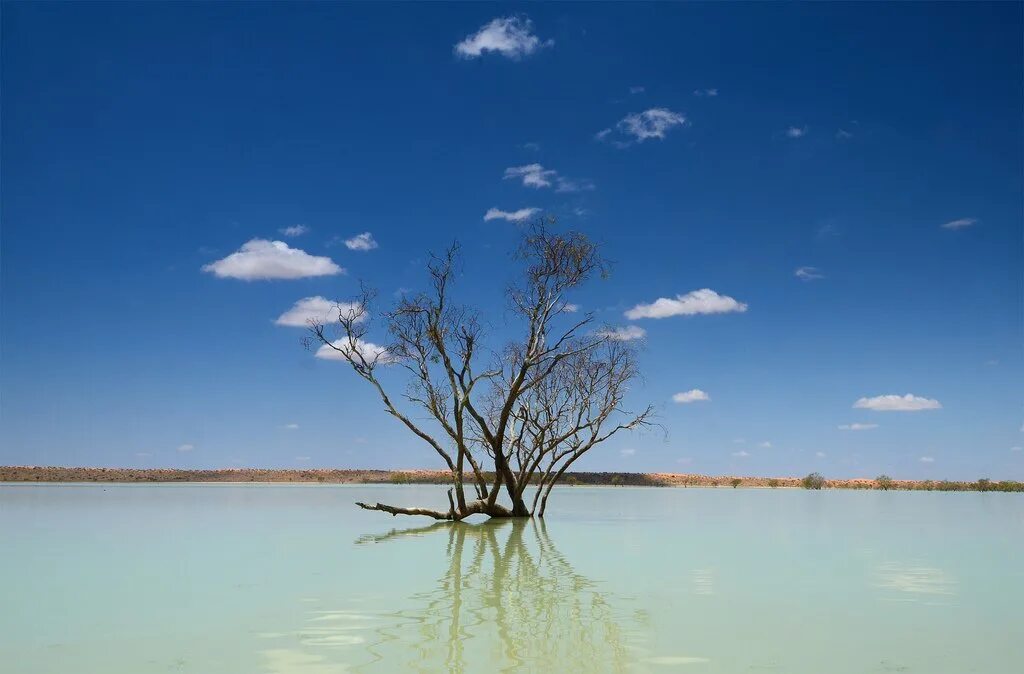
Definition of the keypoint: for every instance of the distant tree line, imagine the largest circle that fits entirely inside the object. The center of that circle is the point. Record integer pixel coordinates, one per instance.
(885, 483)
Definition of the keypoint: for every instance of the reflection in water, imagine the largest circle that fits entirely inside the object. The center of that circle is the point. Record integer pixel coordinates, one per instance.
(508, 600)
(915, 580)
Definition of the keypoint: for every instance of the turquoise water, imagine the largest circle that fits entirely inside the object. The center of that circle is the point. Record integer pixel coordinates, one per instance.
(293, 579)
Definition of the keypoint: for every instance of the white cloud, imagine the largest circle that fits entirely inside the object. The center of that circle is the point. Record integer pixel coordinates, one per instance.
(703, 301)
(959, 224)
(510, 36)
(262, 259)
(627, 452)
(536, 176)
(533, 175)
(808, 273)
(895, 403)
(796, 131)
(700, 93)
(1015, 448)
(573, 185)
(294, 230)
(318, 309)
(636, 90)
(368, 350)
(511, 216)
(843, 134)
(820, 455)
(185, 448)
(623, 334)
(692, 396)
(765, 444)
(742, 453)
(927, 459)
(531, 146)
(653, 123)
(362, 241)
(857, 427)
(291, 427)
(570, 308)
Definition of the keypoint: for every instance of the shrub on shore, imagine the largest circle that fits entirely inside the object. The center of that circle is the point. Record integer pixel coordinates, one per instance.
(773, 483)
(735, 482)
(813, 481)
(884, 482)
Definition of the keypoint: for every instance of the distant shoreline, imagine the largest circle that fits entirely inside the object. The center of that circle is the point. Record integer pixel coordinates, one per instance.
(352, 476)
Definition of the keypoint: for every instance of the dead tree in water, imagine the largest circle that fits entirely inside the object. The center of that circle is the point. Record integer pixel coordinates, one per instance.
(526, 415)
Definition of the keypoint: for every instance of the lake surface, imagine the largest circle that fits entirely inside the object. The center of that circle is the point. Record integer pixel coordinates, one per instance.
(294, 579)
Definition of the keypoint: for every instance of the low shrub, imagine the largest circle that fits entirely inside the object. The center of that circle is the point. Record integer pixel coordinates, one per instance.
(813, 481)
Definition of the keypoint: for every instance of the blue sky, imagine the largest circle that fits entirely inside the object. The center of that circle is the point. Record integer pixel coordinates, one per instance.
(720, 147)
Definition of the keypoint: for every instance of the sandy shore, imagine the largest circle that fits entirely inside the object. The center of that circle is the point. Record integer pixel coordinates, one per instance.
(413, 476)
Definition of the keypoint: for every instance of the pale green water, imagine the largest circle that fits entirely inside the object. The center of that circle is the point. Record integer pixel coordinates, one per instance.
(223, 579)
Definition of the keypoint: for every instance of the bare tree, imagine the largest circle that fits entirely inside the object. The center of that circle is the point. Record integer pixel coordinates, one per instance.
(532, 410)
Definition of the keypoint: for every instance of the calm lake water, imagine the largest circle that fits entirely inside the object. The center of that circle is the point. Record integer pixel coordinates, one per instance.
(226, 579)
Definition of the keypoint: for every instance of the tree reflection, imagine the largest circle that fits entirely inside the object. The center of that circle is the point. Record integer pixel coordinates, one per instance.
(508, 600)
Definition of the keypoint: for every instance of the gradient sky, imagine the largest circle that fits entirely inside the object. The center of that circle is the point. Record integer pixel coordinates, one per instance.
(850, 174)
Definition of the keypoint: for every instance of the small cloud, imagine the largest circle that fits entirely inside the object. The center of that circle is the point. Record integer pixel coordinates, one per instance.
(796, 132)
(959, 224)
(828, 230)
(531, 146)
(641, 126)
(765, 444)
(368, 350)
(573, 185)
(857, 427)
(808, 274)
(511, 216)
(532, 175)
(294, 230)
(820, 455)
(739, 441)
(692, 396)
(185, 448)
(291, 427)
(927, 459)
(260, 259)
(570, 308)
(704, 301)
(1015, 448)
(537, 177)
(623, 334)
(701, 93)
(636, 90)
(742, 453)
(843, 134)
(317, 309)
(362, 242)
(510, 36)
(895, 403)
(627, 452)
